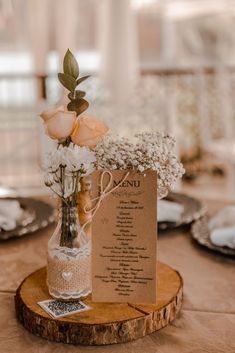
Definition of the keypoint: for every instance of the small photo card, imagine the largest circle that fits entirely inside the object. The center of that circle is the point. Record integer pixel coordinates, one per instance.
(59, 308)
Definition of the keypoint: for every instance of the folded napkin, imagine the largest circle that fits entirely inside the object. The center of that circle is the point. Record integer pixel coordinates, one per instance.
(169, 211)
(222, 227)
(10, 213)
(223, 237)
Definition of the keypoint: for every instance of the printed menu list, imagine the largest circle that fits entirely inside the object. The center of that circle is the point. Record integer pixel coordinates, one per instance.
(124, 235)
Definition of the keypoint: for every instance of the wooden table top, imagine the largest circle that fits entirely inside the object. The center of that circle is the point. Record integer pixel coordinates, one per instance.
(206, 323)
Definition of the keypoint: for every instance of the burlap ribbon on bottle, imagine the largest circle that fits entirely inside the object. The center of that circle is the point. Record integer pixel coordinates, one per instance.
(69, 276)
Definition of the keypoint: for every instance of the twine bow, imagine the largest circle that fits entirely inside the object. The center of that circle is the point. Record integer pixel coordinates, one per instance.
(105, 190)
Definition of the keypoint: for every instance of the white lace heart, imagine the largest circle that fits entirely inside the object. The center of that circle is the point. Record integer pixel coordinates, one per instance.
(67, 276)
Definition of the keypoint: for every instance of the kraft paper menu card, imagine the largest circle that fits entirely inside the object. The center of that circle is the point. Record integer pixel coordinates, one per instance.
(124, 236)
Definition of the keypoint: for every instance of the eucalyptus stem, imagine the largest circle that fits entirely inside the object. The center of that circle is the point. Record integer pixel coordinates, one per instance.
(70, 79)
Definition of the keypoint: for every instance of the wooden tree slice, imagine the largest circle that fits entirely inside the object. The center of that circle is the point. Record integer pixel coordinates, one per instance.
(105, 323)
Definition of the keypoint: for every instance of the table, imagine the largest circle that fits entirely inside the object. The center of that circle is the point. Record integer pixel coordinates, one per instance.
(205, 325)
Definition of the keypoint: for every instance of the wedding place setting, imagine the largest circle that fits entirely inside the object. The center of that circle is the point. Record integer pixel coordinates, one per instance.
(117, 198)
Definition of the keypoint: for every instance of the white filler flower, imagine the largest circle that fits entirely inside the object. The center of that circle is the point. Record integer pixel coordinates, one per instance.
(65, 166)
(149, 151)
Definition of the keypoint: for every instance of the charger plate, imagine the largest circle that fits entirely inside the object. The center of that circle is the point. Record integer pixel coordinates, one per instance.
(201, 233)
(37, 215)
(193, 210)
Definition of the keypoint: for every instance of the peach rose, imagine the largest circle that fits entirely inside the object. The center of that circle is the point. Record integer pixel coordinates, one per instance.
(59, 123)
(88, 131)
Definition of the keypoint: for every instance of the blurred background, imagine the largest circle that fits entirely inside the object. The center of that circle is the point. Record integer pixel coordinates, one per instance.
(166, 65)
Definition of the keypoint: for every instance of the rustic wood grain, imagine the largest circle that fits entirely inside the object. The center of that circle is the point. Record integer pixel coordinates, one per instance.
(105, 323)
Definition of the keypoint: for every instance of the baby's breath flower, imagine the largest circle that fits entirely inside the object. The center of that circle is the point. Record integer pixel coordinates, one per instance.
(151, 150)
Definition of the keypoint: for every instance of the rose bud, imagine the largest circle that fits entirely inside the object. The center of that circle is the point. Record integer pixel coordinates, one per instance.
(88, 131)
(59, 123)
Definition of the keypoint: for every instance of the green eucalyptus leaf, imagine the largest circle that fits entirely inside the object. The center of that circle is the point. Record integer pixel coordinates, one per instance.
(81, 79)
(79, 106)
(67, 81)
(70, 65)
(76, 95)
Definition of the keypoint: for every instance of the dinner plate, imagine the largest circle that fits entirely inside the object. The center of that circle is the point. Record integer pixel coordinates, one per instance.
(201, 233)
(36, 215)
(193, 210)
(28, 215)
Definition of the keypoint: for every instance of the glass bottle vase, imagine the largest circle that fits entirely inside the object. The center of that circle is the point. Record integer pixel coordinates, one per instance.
(69, 258)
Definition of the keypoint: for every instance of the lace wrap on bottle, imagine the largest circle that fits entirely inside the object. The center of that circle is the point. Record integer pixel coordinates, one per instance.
(68, 269)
